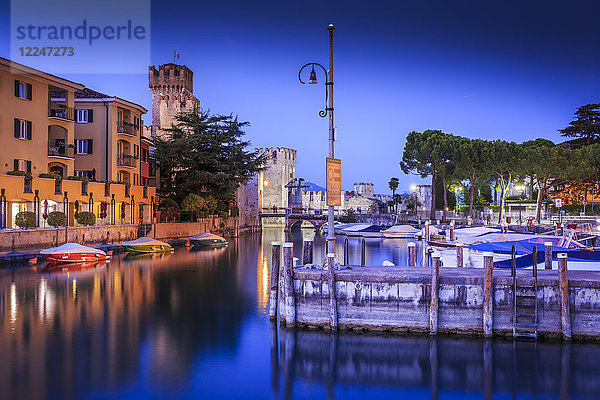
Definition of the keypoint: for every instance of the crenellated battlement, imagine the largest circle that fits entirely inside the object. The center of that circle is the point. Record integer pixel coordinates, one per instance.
(171, 77)
(278, 155)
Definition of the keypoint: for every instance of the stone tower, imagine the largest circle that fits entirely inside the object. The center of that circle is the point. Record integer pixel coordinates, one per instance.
(279, 170)
(172, 88)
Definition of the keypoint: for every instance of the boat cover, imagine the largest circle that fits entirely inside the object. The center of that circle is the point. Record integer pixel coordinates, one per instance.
(207, 236)
(70, 248)
(145, 241)
(401, 229)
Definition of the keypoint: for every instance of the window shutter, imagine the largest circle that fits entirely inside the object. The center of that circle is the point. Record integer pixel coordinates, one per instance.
(29, 91)
(28, 166)
(16, 165)
(90, 141)
(16, 88)
(90, 116)
(28, 130)
(17, 128)
(75, 141)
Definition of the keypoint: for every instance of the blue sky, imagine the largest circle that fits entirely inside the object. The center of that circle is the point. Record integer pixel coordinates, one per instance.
(478, 69)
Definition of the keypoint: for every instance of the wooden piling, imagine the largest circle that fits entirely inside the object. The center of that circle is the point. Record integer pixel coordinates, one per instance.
(452, 231)
(307, 251)
(488, 293)
(412, 254)
(426, 231)
(333, 317)
(346, 252)
(433, 308)
(565, 312)
(363, 251)
(274, 279)
(459, 255)
(548, 255)
(289, 299)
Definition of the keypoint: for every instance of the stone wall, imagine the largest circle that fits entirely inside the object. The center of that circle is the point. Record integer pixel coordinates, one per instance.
(279, 170)
(48, 237)
(398, 298)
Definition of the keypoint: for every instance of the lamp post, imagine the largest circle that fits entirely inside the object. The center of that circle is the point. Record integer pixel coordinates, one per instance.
(323, 113)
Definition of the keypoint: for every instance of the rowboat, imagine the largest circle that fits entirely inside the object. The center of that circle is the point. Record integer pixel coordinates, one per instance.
(146, 245)
(207, 239)
(73, 253)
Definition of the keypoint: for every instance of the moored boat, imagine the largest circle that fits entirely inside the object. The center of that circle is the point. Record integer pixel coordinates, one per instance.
(364, 230)
(207, 239)
(73, 253)
(146, 245)
(400, 232)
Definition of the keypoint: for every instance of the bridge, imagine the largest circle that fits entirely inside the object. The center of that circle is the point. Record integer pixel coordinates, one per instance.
(293, 216)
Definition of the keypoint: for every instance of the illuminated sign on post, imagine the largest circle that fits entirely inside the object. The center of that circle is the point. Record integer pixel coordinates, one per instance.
(334, 182)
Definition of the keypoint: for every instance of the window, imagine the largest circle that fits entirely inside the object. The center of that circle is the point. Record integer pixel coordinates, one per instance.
(23, 90)
(145, 155)
(22, 129)
(85, 116)
(84, 146)
(136, 151)
(22, 165)
(86, 174)
(136, 122)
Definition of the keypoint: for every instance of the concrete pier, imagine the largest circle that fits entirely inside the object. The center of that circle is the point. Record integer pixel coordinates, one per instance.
(399, 299)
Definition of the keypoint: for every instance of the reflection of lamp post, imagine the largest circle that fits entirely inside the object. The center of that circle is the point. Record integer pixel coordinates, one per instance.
(328, 109)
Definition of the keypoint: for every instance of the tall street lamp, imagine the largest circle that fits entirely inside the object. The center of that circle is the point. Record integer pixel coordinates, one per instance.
(323, 113)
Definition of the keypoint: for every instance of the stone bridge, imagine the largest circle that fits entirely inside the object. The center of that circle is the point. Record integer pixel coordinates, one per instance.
(291, 219)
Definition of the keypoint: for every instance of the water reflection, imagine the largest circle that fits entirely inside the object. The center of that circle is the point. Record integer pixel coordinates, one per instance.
(438, 365)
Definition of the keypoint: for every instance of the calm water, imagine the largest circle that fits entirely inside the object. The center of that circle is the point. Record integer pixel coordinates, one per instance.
(193, 325)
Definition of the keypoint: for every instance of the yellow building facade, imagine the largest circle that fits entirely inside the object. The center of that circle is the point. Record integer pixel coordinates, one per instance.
(50, 125)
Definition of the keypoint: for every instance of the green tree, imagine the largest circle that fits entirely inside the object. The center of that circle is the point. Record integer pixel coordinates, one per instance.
(585, 125)
(505, 161)
(421, 156)
(473, 165)
(204, 154)
(393, 184)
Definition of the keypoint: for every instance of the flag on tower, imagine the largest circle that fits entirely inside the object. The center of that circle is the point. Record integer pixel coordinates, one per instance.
(175, 56)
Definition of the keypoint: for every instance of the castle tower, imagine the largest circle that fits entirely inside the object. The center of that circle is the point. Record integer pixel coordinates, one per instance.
(172, 88)
(279, 170)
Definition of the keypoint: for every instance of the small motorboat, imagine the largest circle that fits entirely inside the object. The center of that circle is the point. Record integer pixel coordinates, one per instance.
(400, 232)
(207, 239)
(364, 230)
(73, 253)
(146, 245)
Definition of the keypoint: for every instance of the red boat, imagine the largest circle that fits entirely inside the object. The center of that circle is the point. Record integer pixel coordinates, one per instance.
(73, 253)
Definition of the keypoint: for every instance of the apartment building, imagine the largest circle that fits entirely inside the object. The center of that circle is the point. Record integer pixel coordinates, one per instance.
(108, 137)
(54, 133)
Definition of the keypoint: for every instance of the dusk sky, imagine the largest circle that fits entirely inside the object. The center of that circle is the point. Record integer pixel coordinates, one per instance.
(513, 70)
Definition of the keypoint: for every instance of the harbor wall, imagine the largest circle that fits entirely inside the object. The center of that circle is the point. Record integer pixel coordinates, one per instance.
(399, 298)
(48, 237)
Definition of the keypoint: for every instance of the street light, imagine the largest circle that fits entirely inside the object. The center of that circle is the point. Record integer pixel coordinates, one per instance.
(323, 113)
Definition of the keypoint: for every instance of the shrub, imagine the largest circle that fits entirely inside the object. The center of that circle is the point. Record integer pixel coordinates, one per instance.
(25, 219)
(19, 173)
(86, 218)
(50, 176)
(56, 219)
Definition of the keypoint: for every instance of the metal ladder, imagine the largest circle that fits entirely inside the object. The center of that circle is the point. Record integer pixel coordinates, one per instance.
(525, 309)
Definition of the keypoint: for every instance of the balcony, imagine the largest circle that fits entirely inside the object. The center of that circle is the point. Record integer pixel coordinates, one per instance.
(61, 112)
(125, 128)
(60, 151)
(126, 160)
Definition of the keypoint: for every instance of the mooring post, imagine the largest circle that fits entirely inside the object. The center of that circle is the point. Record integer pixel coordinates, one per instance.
(459, 255)
(274, 280)
(307, 251)
(426, 231)
(433, 308)
(346, 252)
(332, 299)
(427, 258)
(363, 251)
(548, 255)
(562, 229)
(289, 304)
(412, 254)
(452, 231)
(488, 293)
(564, 297)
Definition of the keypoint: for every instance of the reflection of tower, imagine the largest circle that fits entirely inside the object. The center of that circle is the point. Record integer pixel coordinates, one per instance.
(280, 169)
(172, 88)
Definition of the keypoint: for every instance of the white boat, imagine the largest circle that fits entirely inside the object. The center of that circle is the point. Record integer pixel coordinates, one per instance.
(73, 253)
(400, 232)
(207, 239)
(146, 245)
(364, 230)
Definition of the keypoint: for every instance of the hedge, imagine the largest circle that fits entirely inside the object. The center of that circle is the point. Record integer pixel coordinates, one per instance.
(25, 219)
(86, 218)
(56, 219)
